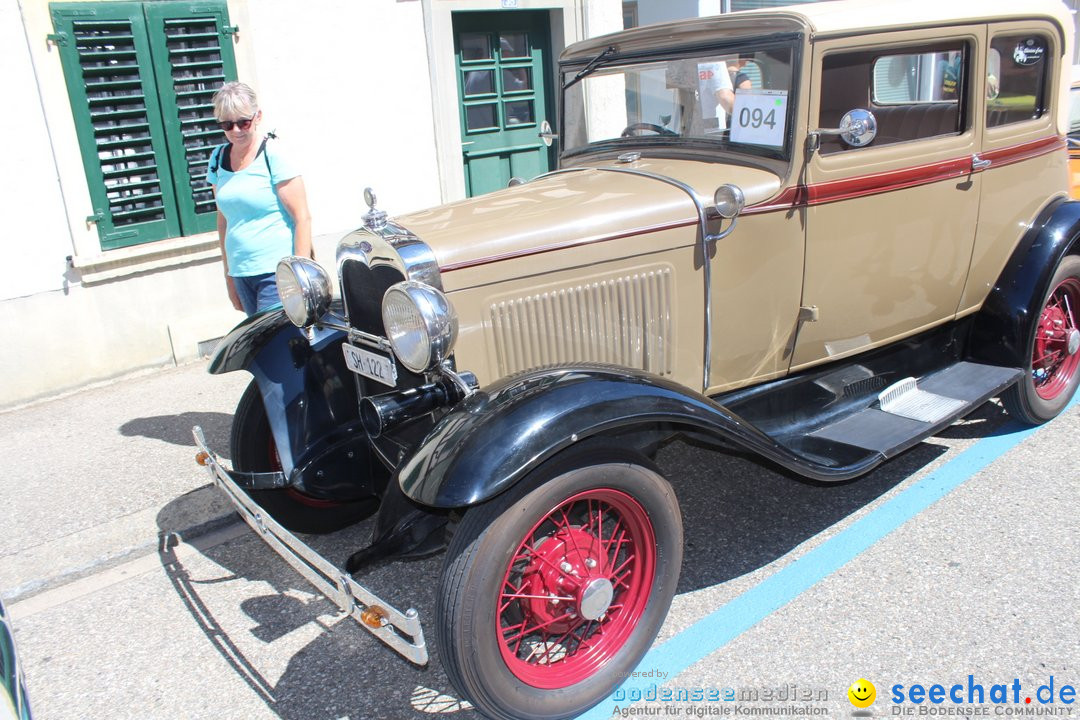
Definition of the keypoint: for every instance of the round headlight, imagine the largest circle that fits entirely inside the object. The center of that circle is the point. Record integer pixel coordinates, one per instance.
(729, 200)
(304, 288)
(421, 324)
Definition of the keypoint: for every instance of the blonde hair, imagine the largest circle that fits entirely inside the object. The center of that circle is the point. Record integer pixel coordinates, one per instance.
(235, 100)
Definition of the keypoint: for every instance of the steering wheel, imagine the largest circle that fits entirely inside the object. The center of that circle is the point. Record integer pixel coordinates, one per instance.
(637, 127)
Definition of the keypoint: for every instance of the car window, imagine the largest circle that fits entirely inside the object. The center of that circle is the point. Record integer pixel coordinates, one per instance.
(914, 92)
(1074, 113)
(1017, 70)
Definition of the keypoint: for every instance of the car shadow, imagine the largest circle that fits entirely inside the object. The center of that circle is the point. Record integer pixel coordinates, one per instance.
(739, 515)
(176, 429)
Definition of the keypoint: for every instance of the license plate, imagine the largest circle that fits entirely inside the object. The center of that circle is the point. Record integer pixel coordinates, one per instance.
(371, 365)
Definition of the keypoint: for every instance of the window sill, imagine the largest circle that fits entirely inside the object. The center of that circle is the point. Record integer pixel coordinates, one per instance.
(142, 258)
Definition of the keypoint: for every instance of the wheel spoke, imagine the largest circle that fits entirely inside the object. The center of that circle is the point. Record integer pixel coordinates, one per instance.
(623, 580)
(616, 542)
(538, 597)
(1068, 311)
(534, 628)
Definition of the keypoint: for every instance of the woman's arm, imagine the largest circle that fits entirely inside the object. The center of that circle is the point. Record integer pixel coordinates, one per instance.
(222, 227)
(294, 198)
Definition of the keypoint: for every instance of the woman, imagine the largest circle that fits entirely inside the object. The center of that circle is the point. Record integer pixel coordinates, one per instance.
(262, 205)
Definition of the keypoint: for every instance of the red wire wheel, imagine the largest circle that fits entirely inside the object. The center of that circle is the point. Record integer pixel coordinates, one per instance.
(1056, 353)
(553, 591)
(1053, 370)
(575, 588)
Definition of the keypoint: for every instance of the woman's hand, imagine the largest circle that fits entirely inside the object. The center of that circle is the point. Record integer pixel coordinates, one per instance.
(234, 297)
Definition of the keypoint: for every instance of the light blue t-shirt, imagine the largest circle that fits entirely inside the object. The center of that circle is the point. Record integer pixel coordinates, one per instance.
(260, 230)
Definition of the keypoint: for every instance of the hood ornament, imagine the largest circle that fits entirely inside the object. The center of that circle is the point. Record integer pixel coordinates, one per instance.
(373, 219)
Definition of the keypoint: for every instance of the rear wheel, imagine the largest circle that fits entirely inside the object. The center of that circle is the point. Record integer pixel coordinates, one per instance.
(553, 592)
(253, 450)
(1053, 346)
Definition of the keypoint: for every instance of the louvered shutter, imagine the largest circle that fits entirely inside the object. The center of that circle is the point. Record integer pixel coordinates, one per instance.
(107, 66)
(193, 57)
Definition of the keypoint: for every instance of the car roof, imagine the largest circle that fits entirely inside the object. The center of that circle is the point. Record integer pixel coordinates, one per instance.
(847, 16)
(821, 19)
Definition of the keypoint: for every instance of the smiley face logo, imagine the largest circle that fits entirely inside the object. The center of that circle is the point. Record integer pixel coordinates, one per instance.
(862, 693)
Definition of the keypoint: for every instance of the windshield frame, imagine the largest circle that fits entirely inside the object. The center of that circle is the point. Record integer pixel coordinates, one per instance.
(667, 146)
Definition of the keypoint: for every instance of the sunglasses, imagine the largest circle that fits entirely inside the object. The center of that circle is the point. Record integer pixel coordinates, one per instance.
(242, 124)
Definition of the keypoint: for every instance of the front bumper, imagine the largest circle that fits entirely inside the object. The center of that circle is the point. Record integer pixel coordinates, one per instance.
(400, 630)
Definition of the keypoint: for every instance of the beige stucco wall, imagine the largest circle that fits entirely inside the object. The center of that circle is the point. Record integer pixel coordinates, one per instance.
(364, 93)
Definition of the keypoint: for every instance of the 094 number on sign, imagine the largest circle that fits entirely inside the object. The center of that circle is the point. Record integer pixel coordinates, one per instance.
(759, 117)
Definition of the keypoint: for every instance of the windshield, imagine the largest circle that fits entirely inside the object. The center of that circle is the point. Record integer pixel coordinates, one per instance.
(727, 100)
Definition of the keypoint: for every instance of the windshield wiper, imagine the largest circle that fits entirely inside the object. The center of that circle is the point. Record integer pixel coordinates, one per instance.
(591, 65)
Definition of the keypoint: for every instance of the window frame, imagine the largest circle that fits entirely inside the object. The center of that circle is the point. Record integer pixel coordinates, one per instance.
(179, 164)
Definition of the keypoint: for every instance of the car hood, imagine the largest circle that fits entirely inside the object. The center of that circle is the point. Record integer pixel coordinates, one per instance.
(579, 205)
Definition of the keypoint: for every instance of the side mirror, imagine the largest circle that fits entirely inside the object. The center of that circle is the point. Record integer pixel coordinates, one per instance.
(546, 135)
(857, 128)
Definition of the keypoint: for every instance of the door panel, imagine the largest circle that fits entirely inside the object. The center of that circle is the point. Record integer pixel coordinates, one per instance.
(890, 226)
(503, 86)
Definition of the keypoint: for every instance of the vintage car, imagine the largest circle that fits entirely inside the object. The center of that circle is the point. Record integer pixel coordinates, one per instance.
(863, 239)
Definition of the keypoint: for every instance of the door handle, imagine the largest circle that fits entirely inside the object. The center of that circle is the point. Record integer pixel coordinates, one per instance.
(978, 163)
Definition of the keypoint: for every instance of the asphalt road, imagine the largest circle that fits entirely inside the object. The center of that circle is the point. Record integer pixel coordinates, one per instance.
(136, 594)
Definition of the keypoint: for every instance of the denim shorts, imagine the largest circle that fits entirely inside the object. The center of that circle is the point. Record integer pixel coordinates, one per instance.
(257, 292)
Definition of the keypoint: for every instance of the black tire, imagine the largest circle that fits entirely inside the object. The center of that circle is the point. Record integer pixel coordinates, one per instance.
(253, 450)
(1051, 373)
(517, 538)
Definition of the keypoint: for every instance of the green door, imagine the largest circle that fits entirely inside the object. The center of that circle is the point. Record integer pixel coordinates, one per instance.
(502, 69)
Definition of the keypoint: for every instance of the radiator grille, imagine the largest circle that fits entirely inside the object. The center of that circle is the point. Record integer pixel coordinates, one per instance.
(624, 321)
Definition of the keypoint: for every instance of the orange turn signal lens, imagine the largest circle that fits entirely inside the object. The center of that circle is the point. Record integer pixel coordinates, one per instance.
(374, 617)
(202, 458)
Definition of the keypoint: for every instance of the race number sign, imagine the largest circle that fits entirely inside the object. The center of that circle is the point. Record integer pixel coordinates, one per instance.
(758, 117)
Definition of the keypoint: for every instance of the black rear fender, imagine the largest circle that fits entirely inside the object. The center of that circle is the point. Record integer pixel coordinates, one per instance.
(999, 336)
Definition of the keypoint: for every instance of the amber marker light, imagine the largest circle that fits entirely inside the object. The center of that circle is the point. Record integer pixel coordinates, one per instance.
(374, 617)
(202, 458)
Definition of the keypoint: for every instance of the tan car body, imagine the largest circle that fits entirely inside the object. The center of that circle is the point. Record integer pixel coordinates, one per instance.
(880, 242)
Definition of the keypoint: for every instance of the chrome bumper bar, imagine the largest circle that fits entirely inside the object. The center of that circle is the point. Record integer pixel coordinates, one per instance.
(400, 630)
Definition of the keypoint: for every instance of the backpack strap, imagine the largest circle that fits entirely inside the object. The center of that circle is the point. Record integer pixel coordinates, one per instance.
(218, 156)
(266, 155)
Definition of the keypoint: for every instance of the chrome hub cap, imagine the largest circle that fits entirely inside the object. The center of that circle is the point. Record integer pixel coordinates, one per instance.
(596, 598)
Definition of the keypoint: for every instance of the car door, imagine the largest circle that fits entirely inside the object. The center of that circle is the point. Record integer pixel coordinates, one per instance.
(1022, 152)
(890, 225)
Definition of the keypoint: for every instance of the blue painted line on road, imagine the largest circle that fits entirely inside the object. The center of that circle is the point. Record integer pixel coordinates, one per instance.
(717, 629)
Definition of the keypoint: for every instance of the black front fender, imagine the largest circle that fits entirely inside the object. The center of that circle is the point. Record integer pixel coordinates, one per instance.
(310, 401)
(497, 435)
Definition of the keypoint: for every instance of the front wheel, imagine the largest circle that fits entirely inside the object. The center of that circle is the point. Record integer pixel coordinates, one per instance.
(1053, 346)
(253, 450)
(553, 592)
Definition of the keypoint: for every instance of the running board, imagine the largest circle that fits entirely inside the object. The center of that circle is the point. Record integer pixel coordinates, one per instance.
(832, 417)
(910, 411)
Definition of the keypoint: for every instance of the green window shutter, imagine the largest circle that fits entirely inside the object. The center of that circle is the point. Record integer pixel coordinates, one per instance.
(107, 66)
(193, 56)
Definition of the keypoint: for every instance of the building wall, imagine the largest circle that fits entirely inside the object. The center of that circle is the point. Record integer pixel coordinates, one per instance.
(37, 242)
(364, 94)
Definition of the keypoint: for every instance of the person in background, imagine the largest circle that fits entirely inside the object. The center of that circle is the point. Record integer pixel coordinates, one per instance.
(262, 205)
(717, 97)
